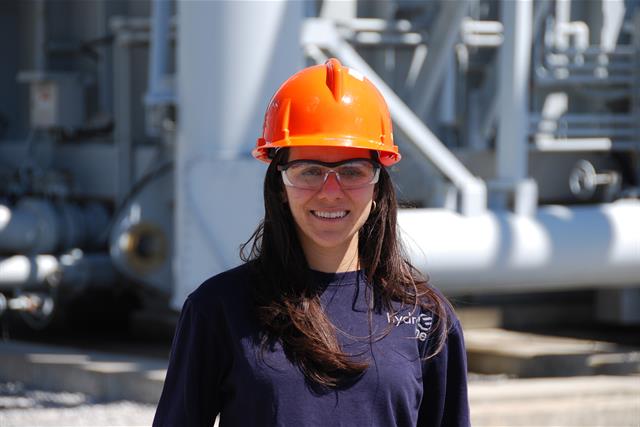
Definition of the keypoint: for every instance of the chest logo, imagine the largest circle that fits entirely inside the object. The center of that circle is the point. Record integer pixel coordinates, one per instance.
(422, 322)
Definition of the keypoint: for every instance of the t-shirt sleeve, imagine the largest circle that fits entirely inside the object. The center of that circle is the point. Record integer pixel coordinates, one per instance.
(445, 401)
(191, 392)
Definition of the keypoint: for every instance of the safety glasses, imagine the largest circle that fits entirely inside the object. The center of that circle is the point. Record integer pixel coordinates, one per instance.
(312, 174)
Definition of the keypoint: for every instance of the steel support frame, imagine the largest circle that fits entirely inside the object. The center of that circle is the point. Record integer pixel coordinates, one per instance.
(482, 129)
(322, 34)
(623, 305)
(424, 90)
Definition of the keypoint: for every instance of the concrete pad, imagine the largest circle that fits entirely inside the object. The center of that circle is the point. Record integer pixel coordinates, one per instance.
(615, 363)
(529, 389)
(575, 401)
(493, 350)
(495, 401)
(480, 317)
(101, 375)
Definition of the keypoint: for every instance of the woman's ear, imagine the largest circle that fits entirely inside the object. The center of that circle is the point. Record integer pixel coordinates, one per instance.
(284, 197)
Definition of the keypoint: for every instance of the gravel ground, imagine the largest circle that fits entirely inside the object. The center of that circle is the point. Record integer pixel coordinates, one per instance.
(24, 407)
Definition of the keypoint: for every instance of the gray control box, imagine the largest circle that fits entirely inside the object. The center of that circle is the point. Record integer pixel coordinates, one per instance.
(56, 100)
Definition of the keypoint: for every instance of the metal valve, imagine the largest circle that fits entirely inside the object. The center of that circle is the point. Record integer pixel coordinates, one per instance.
(584, 181)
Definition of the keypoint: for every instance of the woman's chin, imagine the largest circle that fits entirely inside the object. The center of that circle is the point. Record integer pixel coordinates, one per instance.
(325, 242)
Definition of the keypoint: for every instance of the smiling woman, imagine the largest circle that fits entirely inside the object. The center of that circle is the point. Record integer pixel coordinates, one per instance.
(326, 323)
(328, 216)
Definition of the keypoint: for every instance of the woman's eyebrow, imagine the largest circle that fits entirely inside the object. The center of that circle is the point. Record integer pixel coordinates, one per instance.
(328, 164)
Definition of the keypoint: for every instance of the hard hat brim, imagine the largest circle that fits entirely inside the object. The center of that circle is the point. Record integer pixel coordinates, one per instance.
(386, 156)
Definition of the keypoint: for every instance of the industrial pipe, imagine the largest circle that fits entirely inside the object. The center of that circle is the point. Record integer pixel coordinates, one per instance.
(74, 269)
(558, 248)
(40, 226)
(21, 271)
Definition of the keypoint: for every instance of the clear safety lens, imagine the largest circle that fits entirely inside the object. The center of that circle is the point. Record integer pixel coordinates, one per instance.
(312, 175)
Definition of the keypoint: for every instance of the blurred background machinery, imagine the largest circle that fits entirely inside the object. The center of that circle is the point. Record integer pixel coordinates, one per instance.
(126, 128)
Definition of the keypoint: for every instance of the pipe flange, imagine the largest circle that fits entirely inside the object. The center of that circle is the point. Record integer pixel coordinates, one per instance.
(583, 181)
(47, 228)
(144, 246)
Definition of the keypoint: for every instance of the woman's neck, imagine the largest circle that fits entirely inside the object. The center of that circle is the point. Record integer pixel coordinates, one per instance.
(332, 260)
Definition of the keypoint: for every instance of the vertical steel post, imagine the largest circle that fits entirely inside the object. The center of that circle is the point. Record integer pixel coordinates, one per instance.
(158, 93)
(159, 46)
(338, 9)
(122, 115)
(40, 35)
(104, 10)
(512, 141)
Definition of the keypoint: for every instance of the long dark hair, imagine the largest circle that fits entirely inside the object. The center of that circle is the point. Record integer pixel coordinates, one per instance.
(289, 309)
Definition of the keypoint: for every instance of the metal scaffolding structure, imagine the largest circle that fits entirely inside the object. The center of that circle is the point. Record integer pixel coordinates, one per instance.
(519, 123)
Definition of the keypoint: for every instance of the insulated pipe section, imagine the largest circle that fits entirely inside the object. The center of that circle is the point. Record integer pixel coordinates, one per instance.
(72, 269)
(39, 226)
(22, 271)
(594, 246)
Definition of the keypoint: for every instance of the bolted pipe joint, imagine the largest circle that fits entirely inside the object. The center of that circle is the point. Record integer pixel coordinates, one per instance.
(40, 226)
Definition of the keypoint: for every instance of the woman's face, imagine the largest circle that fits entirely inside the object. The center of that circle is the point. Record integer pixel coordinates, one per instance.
(310, 208)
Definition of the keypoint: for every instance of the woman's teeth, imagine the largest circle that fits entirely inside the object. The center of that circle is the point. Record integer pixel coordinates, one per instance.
(330, 215)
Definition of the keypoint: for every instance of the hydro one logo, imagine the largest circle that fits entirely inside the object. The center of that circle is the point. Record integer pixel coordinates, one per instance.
(423, 323)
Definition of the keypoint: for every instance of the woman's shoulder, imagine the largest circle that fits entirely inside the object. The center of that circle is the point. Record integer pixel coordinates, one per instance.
(231, 287)
(436, 295)
(437, 327)
(439, 309)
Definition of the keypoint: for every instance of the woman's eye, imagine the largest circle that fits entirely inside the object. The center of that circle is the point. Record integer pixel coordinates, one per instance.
(351, 171)
(311, 171)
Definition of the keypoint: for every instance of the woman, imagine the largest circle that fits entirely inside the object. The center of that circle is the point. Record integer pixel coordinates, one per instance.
(326, 323)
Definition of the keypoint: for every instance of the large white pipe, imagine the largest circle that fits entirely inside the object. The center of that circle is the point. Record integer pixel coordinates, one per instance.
(231, 58)
(558, 248)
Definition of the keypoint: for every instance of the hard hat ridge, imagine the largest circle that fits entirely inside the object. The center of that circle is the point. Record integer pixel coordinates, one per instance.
(334, 78)
(328, 106)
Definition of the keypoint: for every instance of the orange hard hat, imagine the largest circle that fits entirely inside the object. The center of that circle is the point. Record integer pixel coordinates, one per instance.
(328, 106)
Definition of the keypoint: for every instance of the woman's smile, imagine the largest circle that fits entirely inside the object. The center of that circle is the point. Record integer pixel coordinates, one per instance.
(330, 215)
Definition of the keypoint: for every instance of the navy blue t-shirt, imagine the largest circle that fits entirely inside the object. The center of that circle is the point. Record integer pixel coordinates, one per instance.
(217, 365)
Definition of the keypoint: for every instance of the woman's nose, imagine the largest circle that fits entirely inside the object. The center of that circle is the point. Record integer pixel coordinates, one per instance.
(331, 184)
